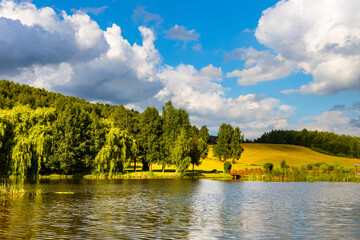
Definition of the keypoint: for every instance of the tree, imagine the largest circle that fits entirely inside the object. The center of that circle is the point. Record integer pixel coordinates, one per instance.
(236, 148)
(180, 153)
(174, 121)
(204, 134)
(227, 167)
(222, 149)
(150, 135)
(71, 151)
(31, 138)
(118, 150)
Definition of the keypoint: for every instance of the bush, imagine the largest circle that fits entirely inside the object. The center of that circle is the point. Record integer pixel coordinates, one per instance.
(227, 167)
(282, 164)
(310, 166)
(268, 167)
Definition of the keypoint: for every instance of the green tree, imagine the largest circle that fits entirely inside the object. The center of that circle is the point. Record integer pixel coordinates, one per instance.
(174, 121)
(31, 138)
(227, 167)
(72, 141)
(150, 136)
(114, 156)
(236, 148)
(204, 134)
(223, 149)
(180, 153)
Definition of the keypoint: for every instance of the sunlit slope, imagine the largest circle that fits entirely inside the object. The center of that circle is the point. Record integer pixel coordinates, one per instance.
(256, 154)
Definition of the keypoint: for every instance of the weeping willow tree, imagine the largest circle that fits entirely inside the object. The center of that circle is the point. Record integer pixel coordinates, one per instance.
(31, 138)
(180, 153)
(117, 152)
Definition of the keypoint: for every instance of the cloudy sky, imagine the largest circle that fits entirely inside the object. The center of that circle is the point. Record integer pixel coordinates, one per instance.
(259, 65)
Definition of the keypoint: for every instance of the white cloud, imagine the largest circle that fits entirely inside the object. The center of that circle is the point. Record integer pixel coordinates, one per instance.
(72, 55)
(200, 93)
(181, 33)
(259, 66)
(321, 38)
(331, 121)
(31, 36)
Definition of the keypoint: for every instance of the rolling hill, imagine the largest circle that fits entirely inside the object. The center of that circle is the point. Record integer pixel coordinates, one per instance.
(256, 154)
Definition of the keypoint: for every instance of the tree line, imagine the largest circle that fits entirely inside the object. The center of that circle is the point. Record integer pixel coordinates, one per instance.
(43, 133)
(325, 142)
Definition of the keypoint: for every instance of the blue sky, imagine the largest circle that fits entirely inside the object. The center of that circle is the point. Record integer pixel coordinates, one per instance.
(259, 65)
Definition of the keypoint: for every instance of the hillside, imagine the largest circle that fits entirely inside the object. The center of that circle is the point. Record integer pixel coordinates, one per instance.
(256, 154)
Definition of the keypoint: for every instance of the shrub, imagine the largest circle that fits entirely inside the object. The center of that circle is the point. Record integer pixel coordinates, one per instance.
(310, 166)
(282, 164)
(268, 167)
(227, 167)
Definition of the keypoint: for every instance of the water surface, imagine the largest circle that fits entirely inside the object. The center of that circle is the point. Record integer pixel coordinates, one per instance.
(186, 209)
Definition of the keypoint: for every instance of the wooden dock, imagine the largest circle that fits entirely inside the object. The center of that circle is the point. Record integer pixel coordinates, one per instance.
(238, 173)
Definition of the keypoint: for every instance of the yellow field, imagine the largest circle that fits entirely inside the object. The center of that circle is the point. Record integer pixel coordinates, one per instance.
(256, 154)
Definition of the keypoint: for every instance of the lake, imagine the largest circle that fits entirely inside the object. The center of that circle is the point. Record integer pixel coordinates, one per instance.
(182, 209)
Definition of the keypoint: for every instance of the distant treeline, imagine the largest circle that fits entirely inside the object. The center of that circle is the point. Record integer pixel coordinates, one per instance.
(43, 133)
(325, 142)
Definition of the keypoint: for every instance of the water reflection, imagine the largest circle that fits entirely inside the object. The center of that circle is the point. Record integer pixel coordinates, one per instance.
(186, 209)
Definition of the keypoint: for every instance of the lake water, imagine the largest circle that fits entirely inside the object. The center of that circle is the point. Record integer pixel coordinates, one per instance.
(182, 209)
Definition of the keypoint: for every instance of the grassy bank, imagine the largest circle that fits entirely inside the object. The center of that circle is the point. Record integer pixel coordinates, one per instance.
(255, 156)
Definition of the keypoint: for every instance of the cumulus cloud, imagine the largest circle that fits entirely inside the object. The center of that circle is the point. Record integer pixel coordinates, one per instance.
(331, 121)
(72, 55)
(259, 66)
(201, 94)
(181, 33)
(30, 36)
(320, 38)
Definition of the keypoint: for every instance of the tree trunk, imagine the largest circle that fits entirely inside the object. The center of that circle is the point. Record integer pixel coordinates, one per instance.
(163, 167)
(134, 165)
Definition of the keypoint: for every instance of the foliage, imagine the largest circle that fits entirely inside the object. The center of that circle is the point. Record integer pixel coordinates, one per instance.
(180, 152)
(283, 164)
(119, 148)
(268, 167)
(227, 167)
(228, 143)
(236, 148)
(150, 135)
(321, 173)
(174, 121)
(204, 134)
(222, 149)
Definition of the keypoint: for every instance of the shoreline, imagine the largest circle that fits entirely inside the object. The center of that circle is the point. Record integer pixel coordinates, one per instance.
(172, 175)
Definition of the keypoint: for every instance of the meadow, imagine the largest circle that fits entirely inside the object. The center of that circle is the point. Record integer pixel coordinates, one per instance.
(255, 155)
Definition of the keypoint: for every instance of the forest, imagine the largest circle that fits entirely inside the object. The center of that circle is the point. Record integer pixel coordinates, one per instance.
(324, 142)
(48, 133)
